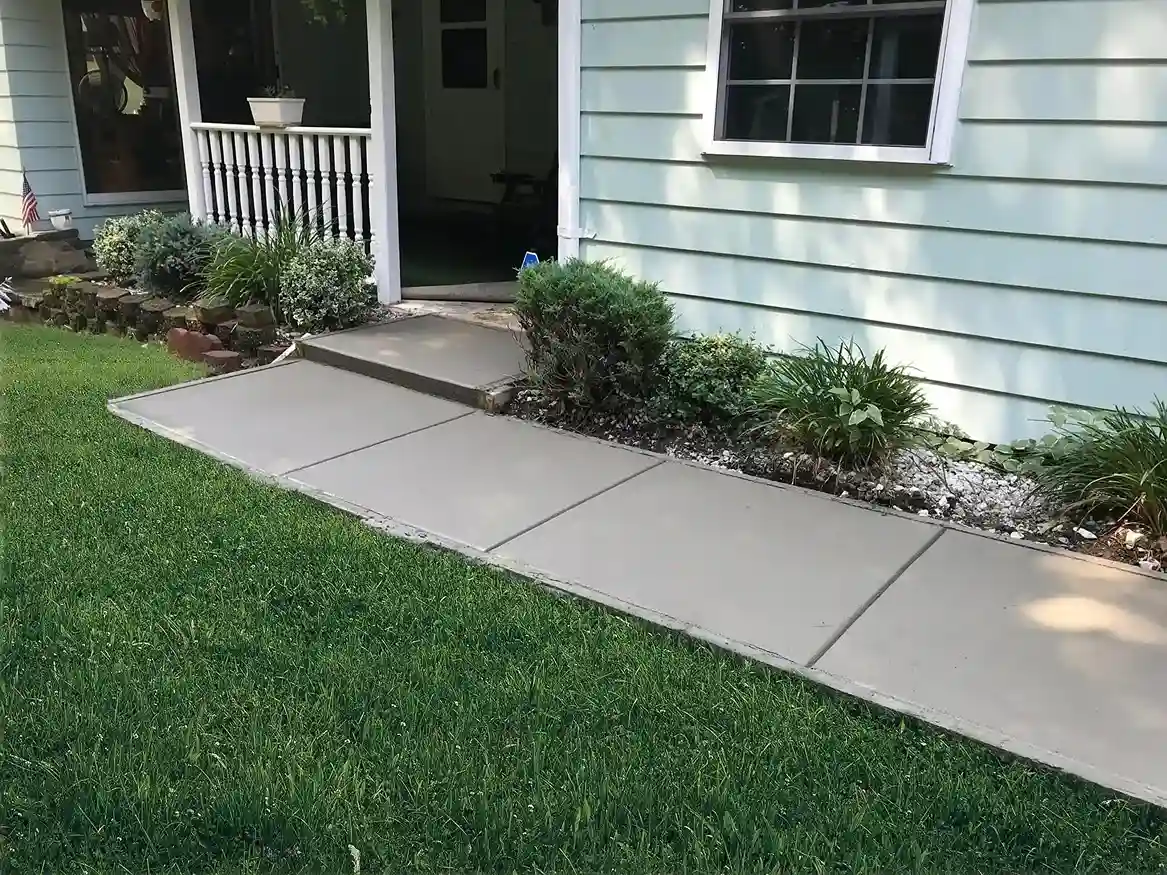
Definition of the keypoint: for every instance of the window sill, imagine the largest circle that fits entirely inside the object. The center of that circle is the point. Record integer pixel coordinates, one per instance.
(131, 198)
(823, 152)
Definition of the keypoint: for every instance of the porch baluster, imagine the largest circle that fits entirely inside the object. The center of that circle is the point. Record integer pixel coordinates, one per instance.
(221, 214)
(340, 150)
(255, 167)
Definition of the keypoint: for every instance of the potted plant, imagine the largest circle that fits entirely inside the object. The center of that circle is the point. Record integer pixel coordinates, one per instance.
(278, 108)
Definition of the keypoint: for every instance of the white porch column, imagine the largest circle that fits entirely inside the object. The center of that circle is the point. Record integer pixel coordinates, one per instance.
(570, 92)
(190, 109)
(383, 216)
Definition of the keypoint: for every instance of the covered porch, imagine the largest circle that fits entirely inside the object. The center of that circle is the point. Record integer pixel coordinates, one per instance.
(439, 135)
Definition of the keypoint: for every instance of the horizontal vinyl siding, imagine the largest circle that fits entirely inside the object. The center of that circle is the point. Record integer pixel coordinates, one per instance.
(37, 132)
(1025, 274)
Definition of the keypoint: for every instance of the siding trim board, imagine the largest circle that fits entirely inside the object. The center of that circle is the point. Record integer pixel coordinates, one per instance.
(1023, 275)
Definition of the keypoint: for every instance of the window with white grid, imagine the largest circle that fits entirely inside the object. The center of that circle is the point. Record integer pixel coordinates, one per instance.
(864, 79)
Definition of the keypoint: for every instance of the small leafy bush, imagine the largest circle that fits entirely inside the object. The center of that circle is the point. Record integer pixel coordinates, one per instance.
(837, 403)
(706, 379)
(594, 334)
(245, 270)
(115, 244)
(173, 255)
(1114, 463)
(325, 286)
(63, 281)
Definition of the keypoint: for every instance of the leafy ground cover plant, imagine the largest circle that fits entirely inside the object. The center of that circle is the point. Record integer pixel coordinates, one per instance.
(706, 379)
(115, 244)
(325, 285)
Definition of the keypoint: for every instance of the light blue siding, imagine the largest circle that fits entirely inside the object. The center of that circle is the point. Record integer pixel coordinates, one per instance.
(1027, 273)
(37, 131)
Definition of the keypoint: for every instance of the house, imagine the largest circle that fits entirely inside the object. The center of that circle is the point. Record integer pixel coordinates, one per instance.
(979, 186)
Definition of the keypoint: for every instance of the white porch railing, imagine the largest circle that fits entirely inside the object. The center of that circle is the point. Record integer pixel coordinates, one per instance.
(254, 176)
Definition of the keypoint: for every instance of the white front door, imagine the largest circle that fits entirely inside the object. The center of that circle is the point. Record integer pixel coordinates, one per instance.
(465, 111)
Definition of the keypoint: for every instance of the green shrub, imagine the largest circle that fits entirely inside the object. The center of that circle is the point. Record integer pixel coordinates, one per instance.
(1114, 463)
(115, 244)
(63, 281)
(837, 403)
(594, 334)
(325, 286)
(173, 255)
(246, 270)
(706, 379)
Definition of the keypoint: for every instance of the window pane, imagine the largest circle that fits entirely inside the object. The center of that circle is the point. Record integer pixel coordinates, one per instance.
(906, 47)
(761, 51)
(127, 117)
(756, 112)
(453, 11)
(832, 49)
(897, 115)
(826, 114)
(464, 58)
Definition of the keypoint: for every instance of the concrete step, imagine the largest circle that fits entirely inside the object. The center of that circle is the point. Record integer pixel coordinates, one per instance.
(447, 358)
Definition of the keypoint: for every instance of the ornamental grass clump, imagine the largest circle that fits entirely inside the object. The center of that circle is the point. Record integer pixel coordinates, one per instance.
(838, 403)
(1112, 463)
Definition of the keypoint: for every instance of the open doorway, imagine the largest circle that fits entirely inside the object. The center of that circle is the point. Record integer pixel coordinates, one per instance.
(477, 102)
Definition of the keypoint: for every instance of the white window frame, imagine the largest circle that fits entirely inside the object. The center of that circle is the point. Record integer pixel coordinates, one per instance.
(954, 41)
(111, 198)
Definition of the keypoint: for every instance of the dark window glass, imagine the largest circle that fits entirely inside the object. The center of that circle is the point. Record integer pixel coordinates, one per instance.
(756, 112)
(456, 11)
(836, 70)
(906, 47)
(761, 51)
(826, 114)
(120, 75)
(464, 58)
(897, 115)
(832, 48)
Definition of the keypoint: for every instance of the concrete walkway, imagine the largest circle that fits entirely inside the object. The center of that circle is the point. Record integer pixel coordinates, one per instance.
(1049, 655)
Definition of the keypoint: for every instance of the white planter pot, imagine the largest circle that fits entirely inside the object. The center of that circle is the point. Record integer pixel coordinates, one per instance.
(62, 219)
(277, 112)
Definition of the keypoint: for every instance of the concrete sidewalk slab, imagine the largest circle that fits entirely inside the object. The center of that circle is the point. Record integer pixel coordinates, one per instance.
(280, 418)
(477, 480)
(1064, 660)
(451, 358)
(773, 567)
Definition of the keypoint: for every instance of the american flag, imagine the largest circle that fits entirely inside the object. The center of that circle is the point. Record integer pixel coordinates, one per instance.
(28, 205)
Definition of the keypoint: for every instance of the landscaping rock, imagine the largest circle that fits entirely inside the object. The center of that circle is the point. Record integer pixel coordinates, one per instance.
(268, 354)
(223, 361)
(89, 299)
(225, 331)
(255, 316)
(214, 314)
(129, 307)
(248, 340)
(141, 334)
(107, 301)
(191, 345)
(31, 300)
(78, 321)
(176, 317)
(150, 314)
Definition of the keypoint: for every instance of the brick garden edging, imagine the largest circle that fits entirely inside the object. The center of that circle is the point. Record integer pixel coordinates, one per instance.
(222, 337)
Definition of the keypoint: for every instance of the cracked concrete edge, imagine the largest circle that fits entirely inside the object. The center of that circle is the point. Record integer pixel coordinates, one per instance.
(988, 735)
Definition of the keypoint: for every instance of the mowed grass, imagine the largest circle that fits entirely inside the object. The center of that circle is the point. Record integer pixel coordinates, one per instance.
(202, 674)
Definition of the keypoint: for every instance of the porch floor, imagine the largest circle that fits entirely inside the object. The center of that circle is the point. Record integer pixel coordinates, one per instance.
(1052, 656)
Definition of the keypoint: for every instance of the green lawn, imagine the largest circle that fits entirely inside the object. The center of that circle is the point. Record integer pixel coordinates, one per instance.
(201, 674)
